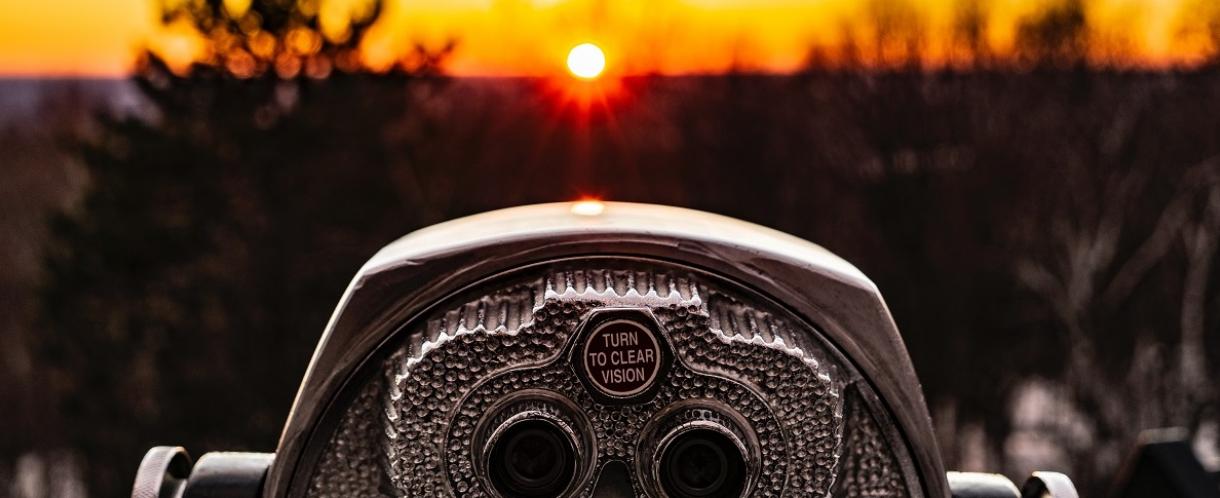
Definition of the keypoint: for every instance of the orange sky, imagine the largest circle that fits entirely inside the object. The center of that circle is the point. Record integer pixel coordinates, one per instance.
(531, 37)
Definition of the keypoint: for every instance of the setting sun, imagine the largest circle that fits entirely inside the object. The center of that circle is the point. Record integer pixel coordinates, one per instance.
(105, 39)
(586, 61)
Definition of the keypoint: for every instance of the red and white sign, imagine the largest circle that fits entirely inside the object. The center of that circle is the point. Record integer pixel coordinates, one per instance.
(622, 358)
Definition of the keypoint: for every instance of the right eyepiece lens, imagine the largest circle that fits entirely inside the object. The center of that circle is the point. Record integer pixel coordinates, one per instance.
(702, 463)
(532, 459)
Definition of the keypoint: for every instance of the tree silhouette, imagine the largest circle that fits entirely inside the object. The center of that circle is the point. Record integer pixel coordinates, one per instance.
(1057, 36)
(181, 300)
(286, 36)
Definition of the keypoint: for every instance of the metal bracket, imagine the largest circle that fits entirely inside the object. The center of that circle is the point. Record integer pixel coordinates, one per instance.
(1048, 485)
(1039, 485)
(166, 472)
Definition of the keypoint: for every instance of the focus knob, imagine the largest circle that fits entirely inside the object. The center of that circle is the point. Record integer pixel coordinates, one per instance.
(167, 472)
(163, 473)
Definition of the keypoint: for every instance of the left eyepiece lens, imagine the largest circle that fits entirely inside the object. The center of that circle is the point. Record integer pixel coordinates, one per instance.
(532, 458)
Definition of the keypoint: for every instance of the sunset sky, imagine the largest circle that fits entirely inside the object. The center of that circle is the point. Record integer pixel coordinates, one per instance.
(523, 37)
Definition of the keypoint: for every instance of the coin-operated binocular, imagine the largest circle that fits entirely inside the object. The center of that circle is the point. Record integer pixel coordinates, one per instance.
(600, 350)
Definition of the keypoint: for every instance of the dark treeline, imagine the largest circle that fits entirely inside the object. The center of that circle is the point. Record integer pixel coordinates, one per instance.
(1054, 225)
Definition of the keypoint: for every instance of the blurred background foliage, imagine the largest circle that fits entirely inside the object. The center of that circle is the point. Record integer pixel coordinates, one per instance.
(1044, 225)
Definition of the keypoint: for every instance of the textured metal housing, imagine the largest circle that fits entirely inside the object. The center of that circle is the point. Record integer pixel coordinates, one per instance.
(405, 282)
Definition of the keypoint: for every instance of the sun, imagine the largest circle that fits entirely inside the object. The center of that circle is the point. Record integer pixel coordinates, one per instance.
(586, 61)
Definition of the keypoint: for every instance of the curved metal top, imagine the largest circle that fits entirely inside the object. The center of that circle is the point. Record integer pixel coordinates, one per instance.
(406, 277)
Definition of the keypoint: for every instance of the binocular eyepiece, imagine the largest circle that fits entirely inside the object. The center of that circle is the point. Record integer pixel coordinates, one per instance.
(532, 457)
(701, 458)
(626, 351)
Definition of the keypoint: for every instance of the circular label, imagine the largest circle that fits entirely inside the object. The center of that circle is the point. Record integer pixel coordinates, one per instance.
(621, 357)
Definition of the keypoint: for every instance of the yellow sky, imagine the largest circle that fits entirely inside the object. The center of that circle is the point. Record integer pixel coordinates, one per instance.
(72, 37)
(510, 37)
